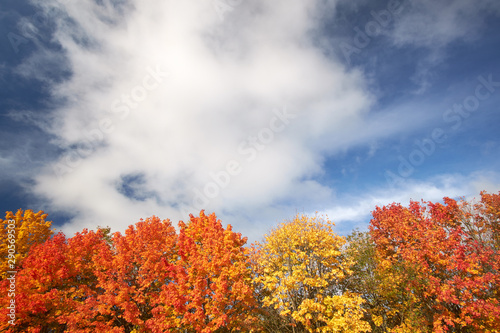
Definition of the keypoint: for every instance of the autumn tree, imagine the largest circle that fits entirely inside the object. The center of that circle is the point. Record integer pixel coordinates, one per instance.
(131, 275)
(389, 305)
(444, 259)
(56, 286)
(20, 232)
(300, 266)
(480, 220)
(211, 288)
(366, 279)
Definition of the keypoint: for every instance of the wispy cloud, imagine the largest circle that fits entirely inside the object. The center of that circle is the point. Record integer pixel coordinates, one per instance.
(435, 24)
(356, 210)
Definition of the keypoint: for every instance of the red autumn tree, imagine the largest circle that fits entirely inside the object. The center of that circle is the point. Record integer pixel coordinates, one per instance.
(56, 286)
(446, 257)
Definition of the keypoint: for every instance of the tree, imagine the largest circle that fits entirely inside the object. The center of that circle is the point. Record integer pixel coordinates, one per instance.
(300, 266)
(446, 257)
(481, 220)
(132, 274)
(18, 236)
(213, 289)
(368, 281)
(56, 288)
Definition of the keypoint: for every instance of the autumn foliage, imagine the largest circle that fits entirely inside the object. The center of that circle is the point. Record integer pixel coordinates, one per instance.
(424, 267)
(300, 266)
(444, 263)
(31, 229)
(151, 279)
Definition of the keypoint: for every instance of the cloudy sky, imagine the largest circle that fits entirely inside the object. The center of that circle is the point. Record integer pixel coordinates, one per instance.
(113, 110)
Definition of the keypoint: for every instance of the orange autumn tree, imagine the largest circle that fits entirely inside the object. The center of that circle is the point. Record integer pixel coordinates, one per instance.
(211, 288)
(30, 229)
(445, 259)
(132, 274)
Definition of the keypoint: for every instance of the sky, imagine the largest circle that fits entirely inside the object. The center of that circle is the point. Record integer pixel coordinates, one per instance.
(117, 110)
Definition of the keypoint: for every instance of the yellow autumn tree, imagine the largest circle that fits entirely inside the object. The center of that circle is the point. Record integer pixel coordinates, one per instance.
(18, 233)
(299, 266)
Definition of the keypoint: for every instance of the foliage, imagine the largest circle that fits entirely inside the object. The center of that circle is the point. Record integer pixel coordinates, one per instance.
(30, 229)
(212, 275)
(131, 274)
(368, 281)
(56, 285)
(300, 265)
(149, 280)
(425, 267)
(446, 257)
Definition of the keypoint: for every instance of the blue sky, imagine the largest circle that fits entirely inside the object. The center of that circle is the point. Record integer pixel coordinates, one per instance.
(112, 111)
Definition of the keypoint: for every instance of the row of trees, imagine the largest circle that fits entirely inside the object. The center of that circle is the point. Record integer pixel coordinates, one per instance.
(426, 267)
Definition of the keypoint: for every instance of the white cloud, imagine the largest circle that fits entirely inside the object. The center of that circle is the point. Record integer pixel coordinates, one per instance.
(170, 92)
(226, 79)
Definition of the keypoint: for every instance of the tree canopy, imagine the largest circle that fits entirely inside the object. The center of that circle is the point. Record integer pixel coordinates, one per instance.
(423, 267)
